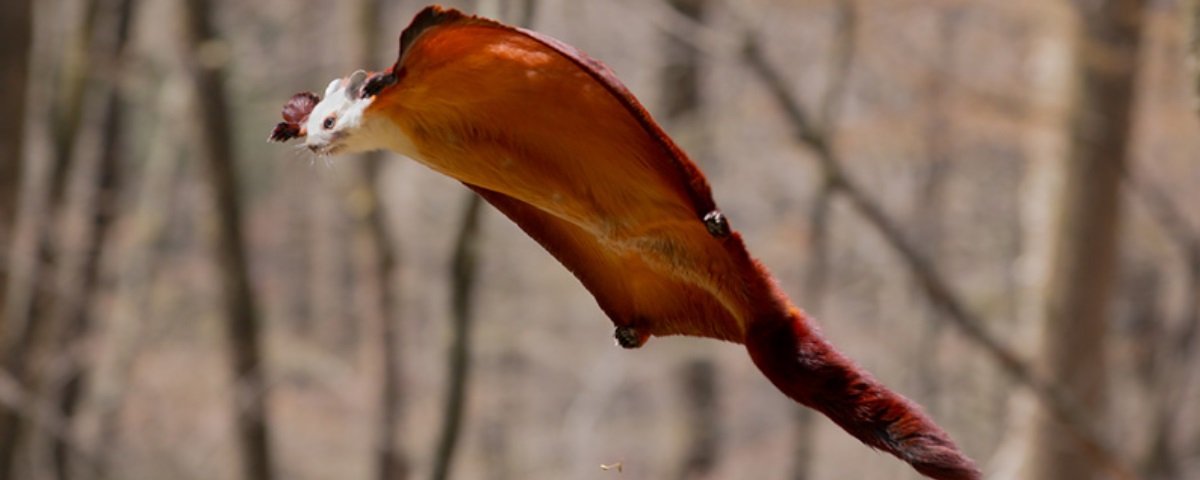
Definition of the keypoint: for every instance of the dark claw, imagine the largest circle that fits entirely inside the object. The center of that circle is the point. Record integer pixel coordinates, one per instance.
(716, 224)
(627, 337)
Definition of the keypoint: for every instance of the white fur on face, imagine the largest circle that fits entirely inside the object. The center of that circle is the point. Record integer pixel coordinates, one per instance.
(336, 124)
(349, 129)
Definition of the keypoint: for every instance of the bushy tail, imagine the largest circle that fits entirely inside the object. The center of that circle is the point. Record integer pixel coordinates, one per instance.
(808, 369)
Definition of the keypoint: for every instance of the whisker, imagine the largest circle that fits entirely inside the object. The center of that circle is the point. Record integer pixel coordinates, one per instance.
(325, 153)
(301, 152)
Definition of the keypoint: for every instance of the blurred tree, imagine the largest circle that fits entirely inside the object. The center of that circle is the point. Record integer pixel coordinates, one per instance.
(298, 292)
(682, 111)
(929, 226)
(1170, 348)
(462, 288)
(16, 34)
(368, 204)
(698, 387)
(1074, 315)
(816, 138)
(984, 88)
(140, 255)
(205, 55)
(681, 85)
(1195, 49)
(26, 331)
(77, 309)
(816, 282)
(817, 273)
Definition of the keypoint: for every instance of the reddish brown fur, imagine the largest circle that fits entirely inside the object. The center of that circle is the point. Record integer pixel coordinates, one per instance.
(552, 139)
(801, 363)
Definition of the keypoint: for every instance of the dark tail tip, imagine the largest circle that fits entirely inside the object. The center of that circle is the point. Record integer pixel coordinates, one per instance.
(936, 456)
(810, 371)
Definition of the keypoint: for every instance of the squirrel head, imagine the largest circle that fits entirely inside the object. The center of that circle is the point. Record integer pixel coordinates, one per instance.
(335, 124)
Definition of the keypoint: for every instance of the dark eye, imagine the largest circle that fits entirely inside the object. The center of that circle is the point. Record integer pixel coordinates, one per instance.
(328, 123)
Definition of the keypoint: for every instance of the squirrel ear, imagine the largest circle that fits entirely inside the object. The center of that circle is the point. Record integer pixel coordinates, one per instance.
(354, 84)
(377, 83)
(332, 87)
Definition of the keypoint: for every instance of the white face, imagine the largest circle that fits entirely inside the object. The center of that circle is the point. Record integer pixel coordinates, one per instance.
(336, 125)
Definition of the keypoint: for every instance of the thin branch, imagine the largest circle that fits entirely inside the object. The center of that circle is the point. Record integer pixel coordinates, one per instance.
(937, 288)
(1165, 212)
(1194, 5)
(841, 58)
(673, 23)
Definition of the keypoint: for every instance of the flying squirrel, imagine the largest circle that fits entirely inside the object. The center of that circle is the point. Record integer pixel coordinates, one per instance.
(554, 141)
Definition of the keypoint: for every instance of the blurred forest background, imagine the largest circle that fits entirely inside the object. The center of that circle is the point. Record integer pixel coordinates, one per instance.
(992, 205)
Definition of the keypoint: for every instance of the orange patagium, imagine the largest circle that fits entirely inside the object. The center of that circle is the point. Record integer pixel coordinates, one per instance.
(553, 140)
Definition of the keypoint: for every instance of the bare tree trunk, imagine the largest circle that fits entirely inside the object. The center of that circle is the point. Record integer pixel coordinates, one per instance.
(78, 309)
(681, 68)
(297, 295)
(816, 275)
(25, 332)
(682, 111)
(462, 287)
(331, 282)
(931, 198)
(1159, 372)
(1083, 259)
(16, 32)
(139, 257)
(1171, 352)
(466, 251)
(392, 462)
(698, 385)
(242, 317)
(816, 282)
